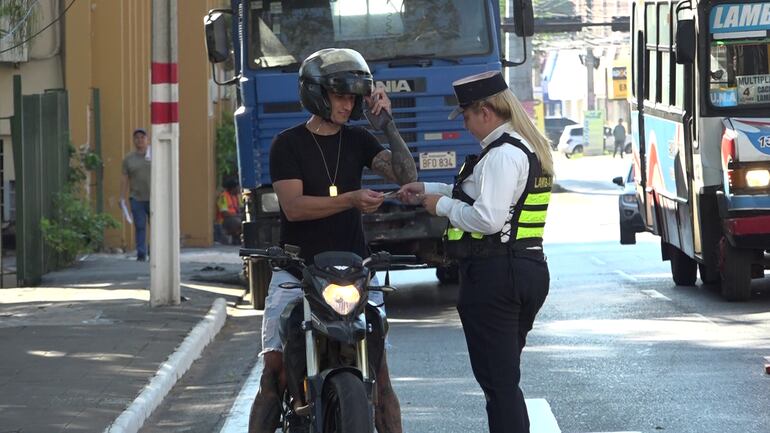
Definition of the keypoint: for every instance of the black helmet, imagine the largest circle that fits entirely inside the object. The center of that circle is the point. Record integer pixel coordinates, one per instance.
(338, 70)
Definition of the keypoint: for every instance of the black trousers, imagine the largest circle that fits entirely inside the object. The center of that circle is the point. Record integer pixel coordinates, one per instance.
(499, 299)
(618, 148)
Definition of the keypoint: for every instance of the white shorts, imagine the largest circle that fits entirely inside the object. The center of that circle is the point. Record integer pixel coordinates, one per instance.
(276, 302)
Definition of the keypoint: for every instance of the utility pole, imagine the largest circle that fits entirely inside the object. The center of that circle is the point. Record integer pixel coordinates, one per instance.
(590, 63)
(164, 187)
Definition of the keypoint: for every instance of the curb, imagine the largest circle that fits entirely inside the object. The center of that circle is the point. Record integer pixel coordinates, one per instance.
(132, 419)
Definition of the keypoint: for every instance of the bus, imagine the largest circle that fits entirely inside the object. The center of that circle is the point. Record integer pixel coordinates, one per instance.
(414, 48)
(700, 106)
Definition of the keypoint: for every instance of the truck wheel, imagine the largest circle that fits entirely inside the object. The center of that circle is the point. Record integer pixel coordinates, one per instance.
(448, 274)
(259, 280)
(708, 274)
(736, 273)
(577, 149)
(683, 268)
(627, 236)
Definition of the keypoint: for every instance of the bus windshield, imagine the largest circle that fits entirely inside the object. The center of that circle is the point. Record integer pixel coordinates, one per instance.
(285, 32)
(739, 74)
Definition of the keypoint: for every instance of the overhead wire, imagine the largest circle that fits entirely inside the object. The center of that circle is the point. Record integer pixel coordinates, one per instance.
(61, 15)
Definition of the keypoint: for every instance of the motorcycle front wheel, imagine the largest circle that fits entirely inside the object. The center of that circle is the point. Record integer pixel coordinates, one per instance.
(346, 407)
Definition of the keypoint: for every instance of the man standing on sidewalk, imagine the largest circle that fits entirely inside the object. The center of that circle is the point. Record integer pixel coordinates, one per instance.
(620, 138)
(135, 189)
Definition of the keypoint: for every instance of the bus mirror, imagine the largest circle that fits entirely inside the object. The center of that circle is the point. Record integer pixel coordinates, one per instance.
(217, 24)
(523, 18)
(685, 41)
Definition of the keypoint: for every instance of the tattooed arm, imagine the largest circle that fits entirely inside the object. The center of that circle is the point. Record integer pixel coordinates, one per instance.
(396, 164)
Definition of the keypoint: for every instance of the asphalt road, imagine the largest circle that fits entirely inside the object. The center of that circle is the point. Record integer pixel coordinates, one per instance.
(616, 348)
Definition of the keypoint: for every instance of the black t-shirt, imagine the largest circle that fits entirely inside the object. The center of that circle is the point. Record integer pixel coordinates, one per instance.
(294, 155)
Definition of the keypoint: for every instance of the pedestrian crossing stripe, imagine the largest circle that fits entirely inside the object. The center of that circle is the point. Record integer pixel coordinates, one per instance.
(541, 417)
(542, 420)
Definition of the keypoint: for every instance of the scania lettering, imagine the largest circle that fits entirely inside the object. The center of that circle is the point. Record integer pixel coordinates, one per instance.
(415, 50)
(700, 128)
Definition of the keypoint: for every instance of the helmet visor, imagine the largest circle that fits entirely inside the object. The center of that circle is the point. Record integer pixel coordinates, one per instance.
(349, 85)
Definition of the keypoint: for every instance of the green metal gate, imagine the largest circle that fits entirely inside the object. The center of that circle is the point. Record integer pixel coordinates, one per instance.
(40, 132)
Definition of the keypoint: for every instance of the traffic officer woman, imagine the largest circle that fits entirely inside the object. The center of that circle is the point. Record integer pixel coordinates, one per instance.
(496, 211)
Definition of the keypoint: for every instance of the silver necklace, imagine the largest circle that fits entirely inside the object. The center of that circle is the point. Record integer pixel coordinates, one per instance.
(332, 181)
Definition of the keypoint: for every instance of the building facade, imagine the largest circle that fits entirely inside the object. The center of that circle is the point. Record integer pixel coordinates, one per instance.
(104, 46)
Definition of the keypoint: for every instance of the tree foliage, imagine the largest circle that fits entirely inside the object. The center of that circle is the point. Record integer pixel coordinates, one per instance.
(226, 153)
(553, 8)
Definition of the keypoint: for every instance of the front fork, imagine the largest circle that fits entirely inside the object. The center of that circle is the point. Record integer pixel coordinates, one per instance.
(311, 350)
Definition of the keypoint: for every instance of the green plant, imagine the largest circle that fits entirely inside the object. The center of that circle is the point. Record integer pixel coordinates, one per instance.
(225, 150)
(75, 228)
(18, 17)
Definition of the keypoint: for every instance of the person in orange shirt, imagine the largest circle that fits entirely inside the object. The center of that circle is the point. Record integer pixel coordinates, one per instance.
(229, 213)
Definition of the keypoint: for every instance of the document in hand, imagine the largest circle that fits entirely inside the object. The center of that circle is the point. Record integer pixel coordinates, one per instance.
(126, 212)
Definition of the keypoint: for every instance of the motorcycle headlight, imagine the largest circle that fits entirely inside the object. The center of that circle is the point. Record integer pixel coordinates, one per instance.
(343, 299)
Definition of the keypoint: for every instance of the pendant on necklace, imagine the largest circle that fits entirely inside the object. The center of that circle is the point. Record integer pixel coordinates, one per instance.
(333, 191)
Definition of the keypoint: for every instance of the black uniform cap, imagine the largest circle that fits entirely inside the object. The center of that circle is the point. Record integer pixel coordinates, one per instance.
(476, 88)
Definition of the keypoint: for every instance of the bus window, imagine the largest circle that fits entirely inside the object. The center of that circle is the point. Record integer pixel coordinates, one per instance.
(664, 52)
(634, 52)
(739, 74)
(651, 32)
(678, 76)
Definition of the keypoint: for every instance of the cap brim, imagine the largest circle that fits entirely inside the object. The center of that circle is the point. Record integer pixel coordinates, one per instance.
(456, 112)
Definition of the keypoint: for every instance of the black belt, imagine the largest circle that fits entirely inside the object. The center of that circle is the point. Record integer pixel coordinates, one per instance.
(467, 248)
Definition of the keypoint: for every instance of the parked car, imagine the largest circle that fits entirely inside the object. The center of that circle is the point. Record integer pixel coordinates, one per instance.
(571, 141)
(630, 219)
(553, 128)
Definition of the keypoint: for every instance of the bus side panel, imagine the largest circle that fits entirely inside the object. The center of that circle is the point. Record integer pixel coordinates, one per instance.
(667, 189)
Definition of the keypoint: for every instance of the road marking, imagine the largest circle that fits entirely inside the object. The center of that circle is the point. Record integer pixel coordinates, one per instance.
(541, 417)
(656, 295)
(626, 276)
(598, 261)
(701, 316)
(238, 418)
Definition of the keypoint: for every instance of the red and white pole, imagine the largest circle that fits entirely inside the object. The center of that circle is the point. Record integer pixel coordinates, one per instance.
(164, 193)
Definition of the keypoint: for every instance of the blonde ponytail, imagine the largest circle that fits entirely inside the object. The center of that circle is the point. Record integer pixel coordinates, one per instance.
(507, 106)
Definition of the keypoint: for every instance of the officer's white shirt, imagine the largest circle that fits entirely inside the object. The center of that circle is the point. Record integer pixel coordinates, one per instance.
(497, 182)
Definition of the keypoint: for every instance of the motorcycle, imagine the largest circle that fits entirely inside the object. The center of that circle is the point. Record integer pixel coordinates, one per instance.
(333, 338)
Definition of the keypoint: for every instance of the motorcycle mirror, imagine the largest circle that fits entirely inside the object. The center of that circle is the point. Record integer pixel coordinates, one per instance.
(290, 285)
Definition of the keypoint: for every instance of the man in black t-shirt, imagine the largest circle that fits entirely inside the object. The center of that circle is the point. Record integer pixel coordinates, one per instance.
(316, 170)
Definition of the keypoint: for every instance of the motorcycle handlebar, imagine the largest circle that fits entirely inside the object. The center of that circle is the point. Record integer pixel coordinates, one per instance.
(405, 259)
(269, 253)
(380, 259)
(384, 259)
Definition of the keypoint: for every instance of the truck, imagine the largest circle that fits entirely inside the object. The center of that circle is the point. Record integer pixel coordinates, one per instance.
(415, 50)
(701, 137)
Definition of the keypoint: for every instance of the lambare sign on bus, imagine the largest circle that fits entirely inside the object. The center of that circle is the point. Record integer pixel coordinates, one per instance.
(727, 18)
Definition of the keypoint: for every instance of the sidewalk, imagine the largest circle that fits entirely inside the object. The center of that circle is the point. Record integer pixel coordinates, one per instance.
(76, 351)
